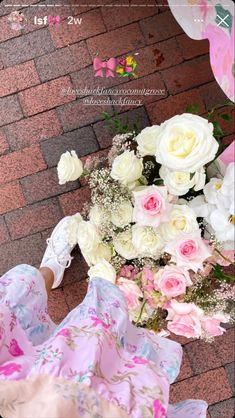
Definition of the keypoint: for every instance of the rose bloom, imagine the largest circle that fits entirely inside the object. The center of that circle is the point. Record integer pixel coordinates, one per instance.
(69, 168)
(87, 236)
(212, 324)
(151, 206)
(181, 219)
(172, 281)
(184, 319)
(186, 143)
(103, 270)
(179, 183)
(127, 167)
(147, 140)
(131, 292)
(189, 251)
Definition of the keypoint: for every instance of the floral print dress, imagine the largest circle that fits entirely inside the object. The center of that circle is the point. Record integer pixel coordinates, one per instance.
(94, 364)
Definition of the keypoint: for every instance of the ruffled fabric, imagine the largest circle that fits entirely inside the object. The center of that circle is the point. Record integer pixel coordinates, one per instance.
(95, 348)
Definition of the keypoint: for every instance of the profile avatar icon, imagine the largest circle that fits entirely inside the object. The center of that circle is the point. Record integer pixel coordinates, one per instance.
(17, 20)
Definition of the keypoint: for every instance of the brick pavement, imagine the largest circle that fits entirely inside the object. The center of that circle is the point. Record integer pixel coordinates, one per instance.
(38, 123)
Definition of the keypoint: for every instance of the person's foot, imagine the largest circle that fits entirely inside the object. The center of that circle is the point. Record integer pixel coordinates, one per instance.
(57, 255)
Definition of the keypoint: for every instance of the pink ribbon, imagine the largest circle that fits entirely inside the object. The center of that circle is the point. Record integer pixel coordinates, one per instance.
(100, 65)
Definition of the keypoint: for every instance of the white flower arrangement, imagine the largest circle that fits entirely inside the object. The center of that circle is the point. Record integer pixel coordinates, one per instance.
(158, 229)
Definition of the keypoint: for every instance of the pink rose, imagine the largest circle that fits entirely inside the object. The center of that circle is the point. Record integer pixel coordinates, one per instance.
(151, 206)
(131, 292)
(185, 319)
(172, 281)
(14, 348)
(128, 69)
(148, 278)
(189, 251)
(212, 325)
(10, 368)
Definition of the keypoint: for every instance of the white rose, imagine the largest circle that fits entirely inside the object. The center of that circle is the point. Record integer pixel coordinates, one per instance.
(123, 245)
(182, 219)
(179, 183)
(127, 168)
(147, 241)
(147, 140)
(103, 270)
(186, 143)
(99, 216)
(101, 252)
(72, 229)
(122, 216)
(227, 190)
(87, 236)
(69, 168)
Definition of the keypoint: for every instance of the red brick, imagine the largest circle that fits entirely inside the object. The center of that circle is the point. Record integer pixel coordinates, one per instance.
(11, 197)
(18, 78)
(197, 352)
(129, 38)
(230, 371)
(212, 386)
(185, 369)
(44, 184)
(160, 27)
(188, 74)
(77, 114)
(28, 250)
(126, 15)
(81, 140)
(46, 96)
(191, 48)
(212, 95)
(105, 134)
(14, 114)
(81, 8)
(228, 127)
(3, 143)
(20, 164)
(63, 61)
(65, 34)
(6, 31)
(4, 234)
(153, 81)
(26, 47)
(225, 346)
(57, 306)
(223, 409)
(32, 130)
(157, 57)
(34, 218)
(75, 293)
(73, 202)
(165, 109)
(227, 140)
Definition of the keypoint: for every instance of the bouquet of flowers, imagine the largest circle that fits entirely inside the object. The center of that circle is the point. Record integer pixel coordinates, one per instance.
(126, 67)
(159, 227)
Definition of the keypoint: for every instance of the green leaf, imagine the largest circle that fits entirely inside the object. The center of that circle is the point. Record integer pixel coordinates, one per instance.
(225, 116)
(192, 108)
(223, 17)
(192, 175)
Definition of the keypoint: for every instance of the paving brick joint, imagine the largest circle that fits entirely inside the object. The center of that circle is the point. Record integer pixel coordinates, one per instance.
(39, 121)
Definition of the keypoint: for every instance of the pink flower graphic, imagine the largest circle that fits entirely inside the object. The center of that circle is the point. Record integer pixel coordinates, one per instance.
(10, 368)
(158, 409)
(65, 332)
(14, 348)
(140, 360)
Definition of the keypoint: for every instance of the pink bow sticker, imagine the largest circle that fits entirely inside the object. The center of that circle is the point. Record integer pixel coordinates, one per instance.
(52, 20)
(100, 65)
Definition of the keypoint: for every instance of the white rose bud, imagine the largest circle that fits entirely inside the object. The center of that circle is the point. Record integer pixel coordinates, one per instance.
(124, 246)
(147, 140)
(103, 270)
(122, 216)
(69, 168)
(179, 183)
(87, 236)
(102, 251)
(127, 168)
(147, 241)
